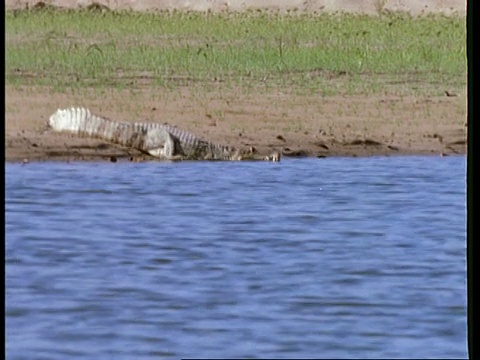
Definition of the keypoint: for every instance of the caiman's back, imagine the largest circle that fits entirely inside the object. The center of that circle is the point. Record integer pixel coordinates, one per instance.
(159, 140)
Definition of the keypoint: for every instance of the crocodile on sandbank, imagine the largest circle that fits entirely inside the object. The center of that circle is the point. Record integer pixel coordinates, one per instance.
(158, 140)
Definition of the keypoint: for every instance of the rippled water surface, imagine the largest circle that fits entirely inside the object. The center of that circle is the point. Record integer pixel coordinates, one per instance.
(337, 257)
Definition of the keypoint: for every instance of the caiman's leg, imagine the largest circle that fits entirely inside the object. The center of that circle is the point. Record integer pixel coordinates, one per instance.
(160, 143)
(275, 157)
(158, 152)
(251, 154)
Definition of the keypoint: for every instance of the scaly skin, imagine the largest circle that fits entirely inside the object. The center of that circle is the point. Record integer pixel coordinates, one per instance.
(161, 141)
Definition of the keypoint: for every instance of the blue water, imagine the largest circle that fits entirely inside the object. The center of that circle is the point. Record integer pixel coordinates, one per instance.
(336, 257)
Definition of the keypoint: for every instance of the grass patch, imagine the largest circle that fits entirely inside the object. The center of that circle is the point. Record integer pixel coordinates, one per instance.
(327, 53)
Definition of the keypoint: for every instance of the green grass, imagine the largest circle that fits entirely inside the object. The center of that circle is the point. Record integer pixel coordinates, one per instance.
(336, 53)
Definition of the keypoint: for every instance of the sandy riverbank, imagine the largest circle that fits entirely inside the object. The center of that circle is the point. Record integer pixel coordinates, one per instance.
(296, 125)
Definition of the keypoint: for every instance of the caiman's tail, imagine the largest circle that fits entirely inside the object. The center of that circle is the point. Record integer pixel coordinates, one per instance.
(82, 122)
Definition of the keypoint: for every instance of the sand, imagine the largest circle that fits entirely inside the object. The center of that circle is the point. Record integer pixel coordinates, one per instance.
(295, 125)
(415, 7)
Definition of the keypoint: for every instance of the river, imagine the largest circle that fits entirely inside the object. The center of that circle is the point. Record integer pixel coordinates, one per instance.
(335, 257)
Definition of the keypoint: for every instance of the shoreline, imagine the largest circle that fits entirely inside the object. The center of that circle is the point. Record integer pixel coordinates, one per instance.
(390, 114)
(294, 125)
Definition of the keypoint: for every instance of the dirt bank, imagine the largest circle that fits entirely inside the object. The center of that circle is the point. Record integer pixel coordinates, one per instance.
(294, 124)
